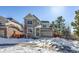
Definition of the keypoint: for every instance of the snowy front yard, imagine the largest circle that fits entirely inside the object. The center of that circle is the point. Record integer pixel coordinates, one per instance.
(24, 49)
(43, 45)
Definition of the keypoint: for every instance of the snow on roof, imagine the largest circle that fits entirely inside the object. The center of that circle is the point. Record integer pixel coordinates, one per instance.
(13, 20)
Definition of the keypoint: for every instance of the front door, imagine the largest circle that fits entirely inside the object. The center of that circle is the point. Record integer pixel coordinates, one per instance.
(37, 32)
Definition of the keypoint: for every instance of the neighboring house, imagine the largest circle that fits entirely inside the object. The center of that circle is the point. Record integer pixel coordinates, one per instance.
(9, 26)
(14, 28)
(33, 27)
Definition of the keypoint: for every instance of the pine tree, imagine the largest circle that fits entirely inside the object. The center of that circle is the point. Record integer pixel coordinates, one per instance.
(60, 29)
(75, 24)
(54, 28)
(60, 25)
(67, 33)
(53, 25)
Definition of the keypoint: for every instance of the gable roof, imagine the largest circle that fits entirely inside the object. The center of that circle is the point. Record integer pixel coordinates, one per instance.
(36, 17)
(31, 15)
(13, 20)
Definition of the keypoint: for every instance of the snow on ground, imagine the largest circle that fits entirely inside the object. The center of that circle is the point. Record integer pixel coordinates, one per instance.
(43, 45)
(26, 49)
(13, 40)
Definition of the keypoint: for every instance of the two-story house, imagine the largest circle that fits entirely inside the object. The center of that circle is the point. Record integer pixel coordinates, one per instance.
(33, 27)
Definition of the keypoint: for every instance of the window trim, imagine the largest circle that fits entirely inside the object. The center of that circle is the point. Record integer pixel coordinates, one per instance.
(29, 22)
(29, 31)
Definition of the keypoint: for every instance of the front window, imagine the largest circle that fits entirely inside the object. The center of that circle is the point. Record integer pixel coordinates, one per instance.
(1, 24)
(29, 22)
(29, 30)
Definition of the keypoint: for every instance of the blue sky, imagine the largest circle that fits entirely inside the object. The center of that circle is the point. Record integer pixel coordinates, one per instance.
(42, 12)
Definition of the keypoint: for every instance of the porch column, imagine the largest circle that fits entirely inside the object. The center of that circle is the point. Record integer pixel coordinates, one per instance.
(35, 32)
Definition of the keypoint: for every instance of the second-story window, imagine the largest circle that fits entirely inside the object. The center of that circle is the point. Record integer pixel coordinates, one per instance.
(44, 26)
(1, 24)
(29, 22)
